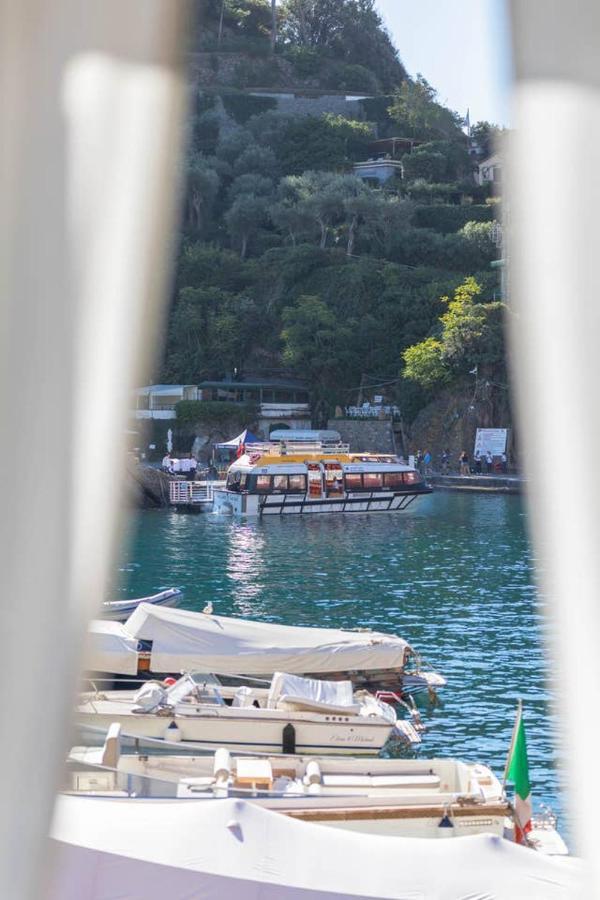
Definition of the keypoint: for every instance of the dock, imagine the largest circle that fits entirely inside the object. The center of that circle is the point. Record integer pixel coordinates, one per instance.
(482, 484)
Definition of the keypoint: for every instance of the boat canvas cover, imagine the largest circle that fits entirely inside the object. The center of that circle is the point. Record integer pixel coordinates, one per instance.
(108, 849)
(110, 648)
(338, 695)
(184, 640)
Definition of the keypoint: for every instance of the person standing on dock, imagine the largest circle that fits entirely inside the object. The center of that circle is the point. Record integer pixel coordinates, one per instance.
(477, 460)
(445, 459)
(504, 463)
(427, 463)
(464, 463)
(489, 463)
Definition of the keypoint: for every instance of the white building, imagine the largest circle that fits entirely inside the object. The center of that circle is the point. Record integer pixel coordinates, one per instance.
(489, 170)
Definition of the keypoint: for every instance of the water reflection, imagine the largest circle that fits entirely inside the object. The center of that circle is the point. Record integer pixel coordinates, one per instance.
(453, 576)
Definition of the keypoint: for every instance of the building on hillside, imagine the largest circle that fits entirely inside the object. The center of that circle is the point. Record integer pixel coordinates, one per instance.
(489, 171)
(385, 160)
(157, 401)
(283, 402)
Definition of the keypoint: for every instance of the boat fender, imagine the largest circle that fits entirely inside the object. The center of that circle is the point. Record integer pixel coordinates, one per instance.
(288, 739)
(313, 772)
(173, 732)
(222, 764)
(169, 681)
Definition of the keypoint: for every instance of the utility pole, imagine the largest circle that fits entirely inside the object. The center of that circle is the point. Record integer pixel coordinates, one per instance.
(273, 25)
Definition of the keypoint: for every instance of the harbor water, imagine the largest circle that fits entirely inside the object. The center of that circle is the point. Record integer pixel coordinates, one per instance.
(453, 575)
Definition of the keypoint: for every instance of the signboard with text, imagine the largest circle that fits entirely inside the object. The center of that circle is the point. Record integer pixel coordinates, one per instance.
(492, 440)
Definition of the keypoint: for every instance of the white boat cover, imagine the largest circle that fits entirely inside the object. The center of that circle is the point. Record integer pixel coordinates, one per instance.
(110, 648)
(334, 694)
(190, 640)
(107, 849)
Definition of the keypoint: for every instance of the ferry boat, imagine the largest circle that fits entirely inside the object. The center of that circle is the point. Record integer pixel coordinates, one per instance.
(314, 472)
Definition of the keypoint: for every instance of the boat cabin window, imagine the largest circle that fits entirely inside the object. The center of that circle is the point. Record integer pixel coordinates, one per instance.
(372, 480)
(237, 481)
(353, 481)
(280, 483)
(297, 484)
(393, 479)
(411, 477)
(277, 484)
(263, 484)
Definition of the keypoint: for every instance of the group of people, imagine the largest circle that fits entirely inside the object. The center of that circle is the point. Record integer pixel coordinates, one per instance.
(484, 463)
(186, 466)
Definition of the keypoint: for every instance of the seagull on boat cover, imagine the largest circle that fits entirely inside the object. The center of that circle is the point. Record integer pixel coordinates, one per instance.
(208, 609)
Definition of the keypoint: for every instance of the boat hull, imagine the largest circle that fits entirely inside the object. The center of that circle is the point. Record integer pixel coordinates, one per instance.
(227, 502)
(227, 728)
(120, 610)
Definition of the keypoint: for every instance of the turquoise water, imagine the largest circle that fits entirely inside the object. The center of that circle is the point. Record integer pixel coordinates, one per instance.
(453, 575)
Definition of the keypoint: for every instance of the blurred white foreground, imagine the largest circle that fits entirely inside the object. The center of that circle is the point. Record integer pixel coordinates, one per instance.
(230, 849)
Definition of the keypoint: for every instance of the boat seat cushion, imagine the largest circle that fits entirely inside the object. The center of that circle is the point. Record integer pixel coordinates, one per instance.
(288, 701)
(380, 781)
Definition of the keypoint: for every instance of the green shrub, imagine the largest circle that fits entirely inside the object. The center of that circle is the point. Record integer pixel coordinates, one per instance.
(215, 412)
(445, 218)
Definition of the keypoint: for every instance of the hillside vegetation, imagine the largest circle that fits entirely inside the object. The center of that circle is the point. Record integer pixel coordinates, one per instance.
(290, 262)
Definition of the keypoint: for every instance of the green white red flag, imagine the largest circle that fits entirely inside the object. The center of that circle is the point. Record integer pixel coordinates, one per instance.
(517, 771)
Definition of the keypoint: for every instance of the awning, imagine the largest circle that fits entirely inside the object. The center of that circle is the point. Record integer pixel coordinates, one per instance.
(246, 437)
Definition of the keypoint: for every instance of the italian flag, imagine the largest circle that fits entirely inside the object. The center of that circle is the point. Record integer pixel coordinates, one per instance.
(517, 771)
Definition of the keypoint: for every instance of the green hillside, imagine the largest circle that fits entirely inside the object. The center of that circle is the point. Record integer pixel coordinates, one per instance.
(288, 261)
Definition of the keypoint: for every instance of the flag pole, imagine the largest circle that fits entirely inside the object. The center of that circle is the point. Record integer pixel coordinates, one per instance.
(512, 741)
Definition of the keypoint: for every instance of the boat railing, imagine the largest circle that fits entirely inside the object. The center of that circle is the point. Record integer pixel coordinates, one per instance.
(192, 493)
(298, 447)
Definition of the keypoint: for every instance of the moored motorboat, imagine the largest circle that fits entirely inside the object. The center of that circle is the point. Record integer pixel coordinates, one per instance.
(401, 797)
(430, 798)
(293, 715)
(167, 641)
(120, 610)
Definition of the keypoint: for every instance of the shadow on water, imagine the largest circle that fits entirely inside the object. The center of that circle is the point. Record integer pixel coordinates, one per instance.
(453, 575)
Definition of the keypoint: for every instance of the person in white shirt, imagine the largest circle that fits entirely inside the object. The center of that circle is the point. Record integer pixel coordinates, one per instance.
(166, 463)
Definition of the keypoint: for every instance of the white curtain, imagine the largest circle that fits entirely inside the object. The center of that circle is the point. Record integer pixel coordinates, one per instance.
(92, 97)
(554, 202)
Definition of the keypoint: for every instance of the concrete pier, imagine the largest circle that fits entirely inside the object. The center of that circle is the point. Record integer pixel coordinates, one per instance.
(486, 484)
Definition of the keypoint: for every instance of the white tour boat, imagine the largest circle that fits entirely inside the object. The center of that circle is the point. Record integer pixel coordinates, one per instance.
(293, 714)
(291, 476)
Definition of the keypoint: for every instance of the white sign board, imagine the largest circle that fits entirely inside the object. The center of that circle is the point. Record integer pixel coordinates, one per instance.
(378, 399)
(492, 440)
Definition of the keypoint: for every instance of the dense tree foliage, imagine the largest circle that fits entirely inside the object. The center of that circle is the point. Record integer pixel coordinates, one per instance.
(471, 335)
(289, 261)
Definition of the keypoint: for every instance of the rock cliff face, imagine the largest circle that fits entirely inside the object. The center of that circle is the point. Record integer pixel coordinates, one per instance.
(146, 487)
(366, 434)
(452, 419)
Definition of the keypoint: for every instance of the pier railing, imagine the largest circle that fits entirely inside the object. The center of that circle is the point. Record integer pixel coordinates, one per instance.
(193, 493)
